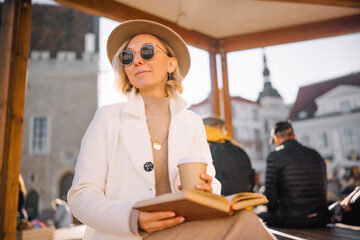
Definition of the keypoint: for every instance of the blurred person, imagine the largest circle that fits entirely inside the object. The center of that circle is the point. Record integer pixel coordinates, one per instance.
(353, 180)
(232, 164)
(334, 187)
(295, 184)
(347, 211)
(351, 208)
(130, 150)
(22, 215)
(62, 214)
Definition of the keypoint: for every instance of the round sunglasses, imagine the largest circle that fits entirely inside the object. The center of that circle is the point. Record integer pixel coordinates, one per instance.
(147, 52)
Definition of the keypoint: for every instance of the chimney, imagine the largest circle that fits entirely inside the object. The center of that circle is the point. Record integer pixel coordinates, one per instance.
(89, 43)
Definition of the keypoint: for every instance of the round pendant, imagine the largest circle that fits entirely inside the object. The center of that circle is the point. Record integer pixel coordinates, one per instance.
(156, 145)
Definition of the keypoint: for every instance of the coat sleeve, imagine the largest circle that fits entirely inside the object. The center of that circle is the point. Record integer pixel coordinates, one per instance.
(216, 185)
(86, 197)
(271, 191)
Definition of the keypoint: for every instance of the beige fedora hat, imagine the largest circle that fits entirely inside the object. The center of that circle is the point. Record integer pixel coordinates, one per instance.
(128, 29)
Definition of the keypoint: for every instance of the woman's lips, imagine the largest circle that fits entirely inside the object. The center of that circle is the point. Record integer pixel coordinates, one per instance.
(141, 72)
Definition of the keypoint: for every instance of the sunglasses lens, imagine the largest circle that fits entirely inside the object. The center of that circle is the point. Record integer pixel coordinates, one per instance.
(126, 57)
(147, 52)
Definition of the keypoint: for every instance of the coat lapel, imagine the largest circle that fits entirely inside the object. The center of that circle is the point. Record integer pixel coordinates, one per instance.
(135, 136)
(180, 136)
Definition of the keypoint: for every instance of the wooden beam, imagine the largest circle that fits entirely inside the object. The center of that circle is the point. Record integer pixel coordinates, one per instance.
(226, 95)
(14, 51)
(121, 12)
(328, 28)
(214, 97)
(337, 3)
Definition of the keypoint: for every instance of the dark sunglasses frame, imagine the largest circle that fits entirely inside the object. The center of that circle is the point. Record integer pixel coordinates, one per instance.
(147, 52)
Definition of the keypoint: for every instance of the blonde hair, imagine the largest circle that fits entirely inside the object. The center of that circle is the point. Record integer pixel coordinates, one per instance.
(22, 184)
(123, 84)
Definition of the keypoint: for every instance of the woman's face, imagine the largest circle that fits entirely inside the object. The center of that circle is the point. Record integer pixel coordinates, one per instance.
(149, 76)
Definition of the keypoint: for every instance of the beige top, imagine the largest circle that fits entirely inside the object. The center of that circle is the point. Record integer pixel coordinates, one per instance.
(157, 112)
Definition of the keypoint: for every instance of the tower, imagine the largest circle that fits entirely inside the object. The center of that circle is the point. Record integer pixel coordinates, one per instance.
(268, 90)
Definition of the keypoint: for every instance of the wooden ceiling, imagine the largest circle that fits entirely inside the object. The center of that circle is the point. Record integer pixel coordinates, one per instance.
(230, 25)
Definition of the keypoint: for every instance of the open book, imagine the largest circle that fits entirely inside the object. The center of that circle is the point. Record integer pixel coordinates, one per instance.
(196, 205)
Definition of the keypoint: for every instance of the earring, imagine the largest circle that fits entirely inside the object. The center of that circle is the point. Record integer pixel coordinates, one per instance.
(169, 77)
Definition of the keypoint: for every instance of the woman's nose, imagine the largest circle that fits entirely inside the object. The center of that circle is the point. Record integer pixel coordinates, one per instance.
(137, 58)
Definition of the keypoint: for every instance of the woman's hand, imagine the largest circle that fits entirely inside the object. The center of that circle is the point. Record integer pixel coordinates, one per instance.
(350, 199)
(156, 221)
(207, 185)
(203, 186)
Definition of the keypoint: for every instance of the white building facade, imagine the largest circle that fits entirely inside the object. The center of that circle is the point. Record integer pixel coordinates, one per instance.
(61, 99)
(334, 129)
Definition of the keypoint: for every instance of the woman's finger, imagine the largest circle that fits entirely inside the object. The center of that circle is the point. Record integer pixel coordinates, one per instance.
(205, 187)
(156, 221)
(163, 224)
(207, 178)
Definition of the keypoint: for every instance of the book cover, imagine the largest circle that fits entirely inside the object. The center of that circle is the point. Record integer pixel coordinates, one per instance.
(196, 205)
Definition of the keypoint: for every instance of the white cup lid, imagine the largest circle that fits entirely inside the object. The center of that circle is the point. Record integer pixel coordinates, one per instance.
(191, 160)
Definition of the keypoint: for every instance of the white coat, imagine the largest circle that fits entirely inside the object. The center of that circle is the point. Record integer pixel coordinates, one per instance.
(110, 176)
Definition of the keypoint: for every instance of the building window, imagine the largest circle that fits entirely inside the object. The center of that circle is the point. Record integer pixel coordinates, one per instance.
(345, 107)
(34, 177)
(350, 135)
(255, 115)
(244, 134)
(302, 114)
(305, 140)
(236, 133)
(323, 140)
(257, 134)
(70, 156)
(266, 127)
(40, 135)
(241, 114)
(233, 112)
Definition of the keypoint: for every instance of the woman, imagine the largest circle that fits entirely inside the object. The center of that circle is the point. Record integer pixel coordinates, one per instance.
(130, 150)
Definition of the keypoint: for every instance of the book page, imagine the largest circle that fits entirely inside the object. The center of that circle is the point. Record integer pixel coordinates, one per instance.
(247, 199)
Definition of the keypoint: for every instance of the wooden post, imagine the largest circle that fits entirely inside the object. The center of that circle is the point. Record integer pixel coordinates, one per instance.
(226, 95)
(214, 98)
(14, 51)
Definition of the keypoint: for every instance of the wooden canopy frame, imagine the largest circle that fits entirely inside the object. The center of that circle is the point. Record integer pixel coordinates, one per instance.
(121, 12)
(14, 49)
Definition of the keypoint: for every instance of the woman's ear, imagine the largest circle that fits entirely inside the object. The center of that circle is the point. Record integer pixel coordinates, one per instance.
(172, 64)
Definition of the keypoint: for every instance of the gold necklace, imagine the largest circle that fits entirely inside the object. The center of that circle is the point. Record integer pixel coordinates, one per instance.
(157, 144)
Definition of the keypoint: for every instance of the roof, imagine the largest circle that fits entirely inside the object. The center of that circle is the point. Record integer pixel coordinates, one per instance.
(241, 99)
(268, 91)
(236, 98)
(305, 100)
(232, 25)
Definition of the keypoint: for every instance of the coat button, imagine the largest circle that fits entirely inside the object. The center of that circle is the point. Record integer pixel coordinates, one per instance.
(148, 166)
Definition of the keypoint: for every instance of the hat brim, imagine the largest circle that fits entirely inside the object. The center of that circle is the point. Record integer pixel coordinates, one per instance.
(129, 29)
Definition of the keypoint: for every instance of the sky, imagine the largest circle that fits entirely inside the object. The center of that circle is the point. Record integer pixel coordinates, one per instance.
(291, 66)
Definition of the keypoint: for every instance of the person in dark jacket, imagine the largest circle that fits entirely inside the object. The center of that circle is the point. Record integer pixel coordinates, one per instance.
(351, 208)
(295, 184)
(232, 164)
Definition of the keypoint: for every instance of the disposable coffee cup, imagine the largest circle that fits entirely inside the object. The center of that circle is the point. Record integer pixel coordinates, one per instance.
(190, 169)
